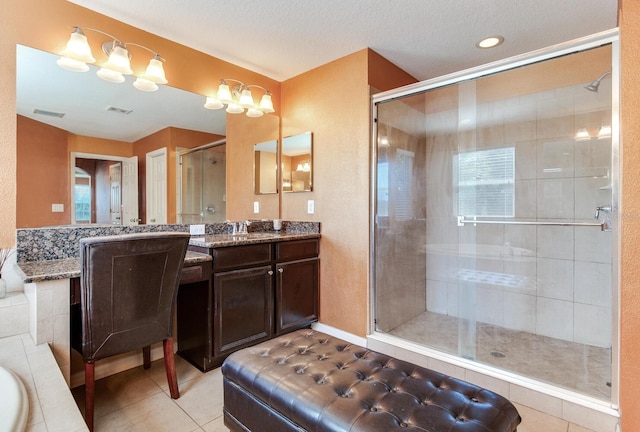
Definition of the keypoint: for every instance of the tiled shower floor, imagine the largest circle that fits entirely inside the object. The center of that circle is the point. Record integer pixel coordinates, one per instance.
(574, 366)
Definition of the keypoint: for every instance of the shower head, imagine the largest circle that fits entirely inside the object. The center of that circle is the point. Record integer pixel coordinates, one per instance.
(593, 86)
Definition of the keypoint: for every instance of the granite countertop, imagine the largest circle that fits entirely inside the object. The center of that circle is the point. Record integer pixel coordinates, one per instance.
(224, 240)
(38, 271)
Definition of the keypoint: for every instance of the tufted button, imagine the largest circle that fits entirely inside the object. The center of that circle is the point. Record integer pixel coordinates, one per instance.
(460, 418)
(425, 403)
(403, 424)
(473, 399)
(394, 391)
(282, 361)
(374, 409)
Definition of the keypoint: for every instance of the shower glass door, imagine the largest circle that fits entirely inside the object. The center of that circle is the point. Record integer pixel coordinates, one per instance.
(494, 219)
(203, 185)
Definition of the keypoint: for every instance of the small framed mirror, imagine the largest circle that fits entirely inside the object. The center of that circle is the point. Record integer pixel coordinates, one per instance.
(297, 163)
(265, 177)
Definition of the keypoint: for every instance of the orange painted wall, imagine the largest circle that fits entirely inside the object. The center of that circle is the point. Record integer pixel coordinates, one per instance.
(43, 176)
(43, 170)
(99, 146)
(629, 23)
(244, 133)
(332, 101)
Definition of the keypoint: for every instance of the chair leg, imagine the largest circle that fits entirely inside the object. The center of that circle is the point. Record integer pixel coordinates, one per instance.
(90, 392)
(146, 357)
(170, 368)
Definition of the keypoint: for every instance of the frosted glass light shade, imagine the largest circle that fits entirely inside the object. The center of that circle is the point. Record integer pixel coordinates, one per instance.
(213, 103)
(78, 48)
(119, 60)
(155, 72)
(582, 135)
(224, 94)
(145, 84)
(266, 104)
(234, 109)
(253, 112)
(246, 99)
(110, 75)
(72, 65)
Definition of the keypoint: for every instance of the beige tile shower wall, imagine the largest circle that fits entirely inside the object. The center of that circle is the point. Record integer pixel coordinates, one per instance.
(553, 281)
(400, 252)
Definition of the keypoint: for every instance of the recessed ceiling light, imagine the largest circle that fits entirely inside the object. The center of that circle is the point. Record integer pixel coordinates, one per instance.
(490, 42)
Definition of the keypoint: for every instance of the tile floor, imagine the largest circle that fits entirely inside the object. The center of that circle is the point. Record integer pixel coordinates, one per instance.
(582, 368)
(138, 400)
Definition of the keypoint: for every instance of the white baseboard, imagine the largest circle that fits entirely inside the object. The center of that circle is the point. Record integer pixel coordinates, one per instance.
(349, 337)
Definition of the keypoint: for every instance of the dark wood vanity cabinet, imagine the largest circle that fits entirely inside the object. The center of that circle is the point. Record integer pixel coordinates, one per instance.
(297, 279)
(259, 291)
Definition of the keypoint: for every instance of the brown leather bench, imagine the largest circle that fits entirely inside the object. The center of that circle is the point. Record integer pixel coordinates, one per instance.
(310, 381)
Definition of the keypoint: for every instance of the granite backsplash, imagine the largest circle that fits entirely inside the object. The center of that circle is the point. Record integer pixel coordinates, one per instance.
(62, 242)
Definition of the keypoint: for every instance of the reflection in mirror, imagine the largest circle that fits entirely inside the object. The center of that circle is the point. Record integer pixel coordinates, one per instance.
(60, 112)
(202, 191)
(297, 163)
(265, 177)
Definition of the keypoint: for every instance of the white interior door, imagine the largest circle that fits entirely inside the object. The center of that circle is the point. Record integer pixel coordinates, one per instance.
(130, 191)
(115, 204)
(156, 193)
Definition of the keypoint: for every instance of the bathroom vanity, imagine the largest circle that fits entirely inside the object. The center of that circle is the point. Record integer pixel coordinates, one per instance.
(264, 285)
(234, 290)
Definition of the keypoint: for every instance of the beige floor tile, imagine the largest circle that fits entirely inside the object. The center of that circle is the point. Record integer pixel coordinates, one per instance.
(202, 398)
(184, 372)
(537, 421)
(155, 413)
(216, 425)
(119, 391)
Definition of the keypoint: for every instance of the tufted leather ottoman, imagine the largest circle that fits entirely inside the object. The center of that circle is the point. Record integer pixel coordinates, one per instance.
(309, 381)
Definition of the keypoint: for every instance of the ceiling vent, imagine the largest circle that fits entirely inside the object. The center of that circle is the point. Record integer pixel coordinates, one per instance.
(48, 113)
(119, 110)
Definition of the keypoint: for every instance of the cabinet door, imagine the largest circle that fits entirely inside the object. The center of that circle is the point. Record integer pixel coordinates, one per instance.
(296, 294)
(243, 308)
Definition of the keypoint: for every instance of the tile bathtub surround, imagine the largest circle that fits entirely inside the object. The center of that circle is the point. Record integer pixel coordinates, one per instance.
(51, 406)
(62, 242)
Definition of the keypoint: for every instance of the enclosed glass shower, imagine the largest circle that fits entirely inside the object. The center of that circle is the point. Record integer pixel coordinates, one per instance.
(202, 184)
(495, 217)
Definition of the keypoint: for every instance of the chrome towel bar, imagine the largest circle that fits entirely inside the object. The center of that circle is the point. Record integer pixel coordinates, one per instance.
(462, 221)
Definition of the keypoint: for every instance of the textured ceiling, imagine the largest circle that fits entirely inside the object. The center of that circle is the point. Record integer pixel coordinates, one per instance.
(426, 38)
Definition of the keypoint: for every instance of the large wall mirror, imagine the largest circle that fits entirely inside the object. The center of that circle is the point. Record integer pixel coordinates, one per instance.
(102, 119)
(297, 163)
(265, 171)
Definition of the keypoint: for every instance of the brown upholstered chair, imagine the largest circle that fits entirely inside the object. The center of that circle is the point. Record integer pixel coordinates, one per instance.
(129, 285)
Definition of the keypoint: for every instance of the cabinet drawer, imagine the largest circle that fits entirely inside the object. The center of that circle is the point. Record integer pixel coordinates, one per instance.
(241, 256)
(195, 273)
(297, 249)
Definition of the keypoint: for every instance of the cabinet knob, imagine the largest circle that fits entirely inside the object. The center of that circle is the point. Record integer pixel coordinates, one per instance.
(270, 272)
(280, 270)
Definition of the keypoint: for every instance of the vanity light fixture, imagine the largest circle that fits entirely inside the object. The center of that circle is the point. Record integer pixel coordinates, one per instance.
(306, 167)
(77, 54)
(239, 98)
(490, 42)
(582, 135)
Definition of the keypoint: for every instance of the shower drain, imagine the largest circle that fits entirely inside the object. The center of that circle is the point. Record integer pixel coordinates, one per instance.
(497, 354)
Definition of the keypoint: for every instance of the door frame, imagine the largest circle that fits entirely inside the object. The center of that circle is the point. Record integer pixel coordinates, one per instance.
(72, 165)
(150, 183)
